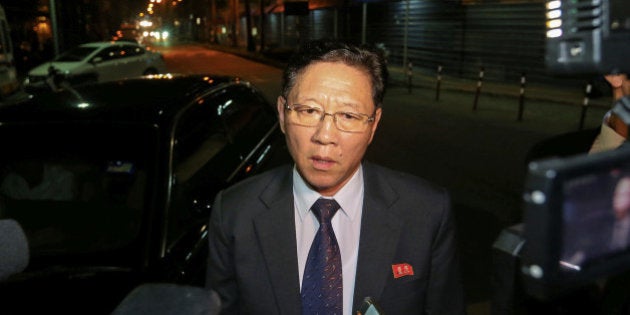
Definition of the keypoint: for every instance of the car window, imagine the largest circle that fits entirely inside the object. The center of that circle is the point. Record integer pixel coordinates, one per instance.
(247, 118)
(76, 54)
(130, 50)
(76, 188)
(200, 142)
(111, 53)
(198, 136)
(213, 139)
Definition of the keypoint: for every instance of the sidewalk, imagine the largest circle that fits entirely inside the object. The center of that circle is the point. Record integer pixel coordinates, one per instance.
(561, 95)
(539, 92)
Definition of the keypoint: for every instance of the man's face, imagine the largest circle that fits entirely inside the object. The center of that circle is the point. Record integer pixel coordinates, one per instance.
(325, 156)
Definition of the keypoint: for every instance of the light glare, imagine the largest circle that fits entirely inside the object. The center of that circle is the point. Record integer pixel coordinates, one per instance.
(551, 5)
(554, 33)
(554, 14)
(554, 23)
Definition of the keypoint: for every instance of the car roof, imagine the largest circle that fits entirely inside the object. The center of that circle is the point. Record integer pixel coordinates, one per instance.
(105, 44)
(150, 100)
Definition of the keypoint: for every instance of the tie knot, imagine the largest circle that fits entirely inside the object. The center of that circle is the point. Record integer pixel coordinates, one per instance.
(325, 209)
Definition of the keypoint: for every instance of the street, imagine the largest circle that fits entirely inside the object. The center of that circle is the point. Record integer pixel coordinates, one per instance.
(479, 156)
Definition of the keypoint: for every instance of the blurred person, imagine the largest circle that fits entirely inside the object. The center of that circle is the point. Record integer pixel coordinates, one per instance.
(609, 135)
(613, 131)
(383, 234)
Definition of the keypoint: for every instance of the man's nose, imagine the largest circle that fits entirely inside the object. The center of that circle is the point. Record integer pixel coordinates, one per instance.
(326, 131)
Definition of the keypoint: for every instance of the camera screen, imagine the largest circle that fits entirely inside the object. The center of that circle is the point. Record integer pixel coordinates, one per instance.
(596, 218)
(577, 220)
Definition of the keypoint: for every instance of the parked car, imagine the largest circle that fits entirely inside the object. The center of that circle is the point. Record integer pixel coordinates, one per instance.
(113, 183)
(98, 62)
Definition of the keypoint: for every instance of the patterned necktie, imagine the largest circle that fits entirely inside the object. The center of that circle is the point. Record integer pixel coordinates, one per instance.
(322, 285)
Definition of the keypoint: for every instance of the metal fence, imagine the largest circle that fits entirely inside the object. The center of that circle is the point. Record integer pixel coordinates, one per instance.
(505, 39)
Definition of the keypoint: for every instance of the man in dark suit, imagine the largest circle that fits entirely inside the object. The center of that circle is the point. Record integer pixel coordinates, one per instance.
(391, 235)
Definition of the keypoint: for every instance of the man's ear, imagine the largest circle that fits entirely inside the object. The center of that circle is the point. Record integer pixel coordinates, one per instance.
(377, 119)
(280, 107)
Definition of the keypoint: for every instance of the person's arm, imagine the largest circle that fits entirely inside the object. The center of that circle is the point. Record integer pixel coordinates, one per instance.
(445, 293)
(221, 275)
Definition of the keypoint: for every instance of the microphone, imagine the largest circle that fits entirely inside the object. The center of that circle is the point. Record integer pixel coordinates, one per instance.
(14, 251)
(169, 299)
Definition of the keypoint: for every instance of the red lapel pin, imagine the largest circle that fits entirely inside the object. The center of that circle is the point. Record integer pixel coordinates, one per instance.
(401, 270)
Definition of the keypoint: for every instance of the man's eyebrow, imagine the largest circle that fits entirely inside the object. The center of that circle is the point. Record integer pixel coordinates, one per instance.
(308, 101)
(353, 105)
(314, 102)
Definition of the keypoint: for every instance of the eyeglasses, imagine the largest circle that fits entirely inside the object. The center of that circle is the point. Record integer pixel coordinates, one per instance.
(345, 121)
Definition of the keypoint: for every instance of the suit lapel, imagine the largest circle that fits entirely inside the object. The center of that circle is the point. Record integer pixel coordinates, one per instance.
(276, 234)
(380, 230)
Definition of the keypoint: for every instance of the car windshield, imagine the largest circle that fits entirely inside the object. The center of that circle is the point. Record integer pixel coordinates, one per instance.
(76, 54)
(75, 189)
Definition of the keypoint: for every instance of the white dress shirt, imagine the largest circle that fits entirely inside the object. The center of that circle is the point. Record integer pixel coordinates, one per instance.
(346, 224)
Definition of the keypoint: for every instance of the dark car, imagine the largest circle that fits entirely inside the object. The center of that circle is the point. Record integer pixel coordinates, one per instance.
(113, 183)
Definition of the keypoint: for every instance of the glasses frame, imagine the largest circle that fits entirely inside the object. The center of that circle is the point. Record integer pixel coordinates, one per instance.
(370, 119)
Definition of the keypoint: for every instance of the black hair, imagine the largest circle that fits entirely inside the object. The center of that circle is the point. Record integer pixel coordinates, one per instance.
(364, 58)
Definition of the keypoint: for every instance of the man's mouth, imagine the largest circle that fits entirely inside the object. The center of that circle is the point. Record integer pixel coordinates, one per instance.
(320, 162)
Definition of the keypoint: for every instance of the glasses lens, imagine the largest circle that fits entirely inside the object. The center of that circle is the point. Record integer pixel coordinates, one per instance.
(306, 115)
(350, 121)
(312, 116)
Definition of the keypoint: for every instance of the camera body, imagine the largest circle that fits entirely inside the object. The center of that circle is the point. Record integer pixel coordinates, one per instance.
(571, 221)
(587, 36)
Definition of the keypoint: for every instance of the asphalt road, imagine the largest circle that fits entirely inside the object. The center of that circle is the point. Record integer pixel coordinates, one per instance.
(479, 156)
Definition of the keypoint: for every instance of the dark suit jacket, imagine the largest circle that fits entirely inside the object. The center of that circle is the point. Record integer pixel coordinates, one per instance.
(253, 253)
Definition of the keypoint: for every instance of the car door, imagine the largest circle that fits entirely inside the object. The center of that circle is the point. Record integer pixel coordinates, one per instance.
(107, 63)
(253, 129)
(199, 144)
(217, 140)
(133, 60)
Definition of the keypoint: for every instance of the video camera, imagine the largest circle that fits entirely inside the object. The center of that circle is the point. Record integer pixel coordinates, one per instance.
(575, 230)
(573, 233)
(587, 36)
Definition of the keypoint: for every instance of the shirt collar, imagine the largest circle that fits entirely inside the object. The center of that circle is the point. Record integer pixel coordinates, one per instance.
(349, 197)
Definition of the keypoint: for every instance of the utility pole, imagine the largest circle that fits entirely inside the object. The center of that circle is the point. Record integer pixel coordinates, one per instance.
(363, 21)
(55, 27)
(262, 25)
(251, 46)
(213, 20)
(235, 24)
(405, 34)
